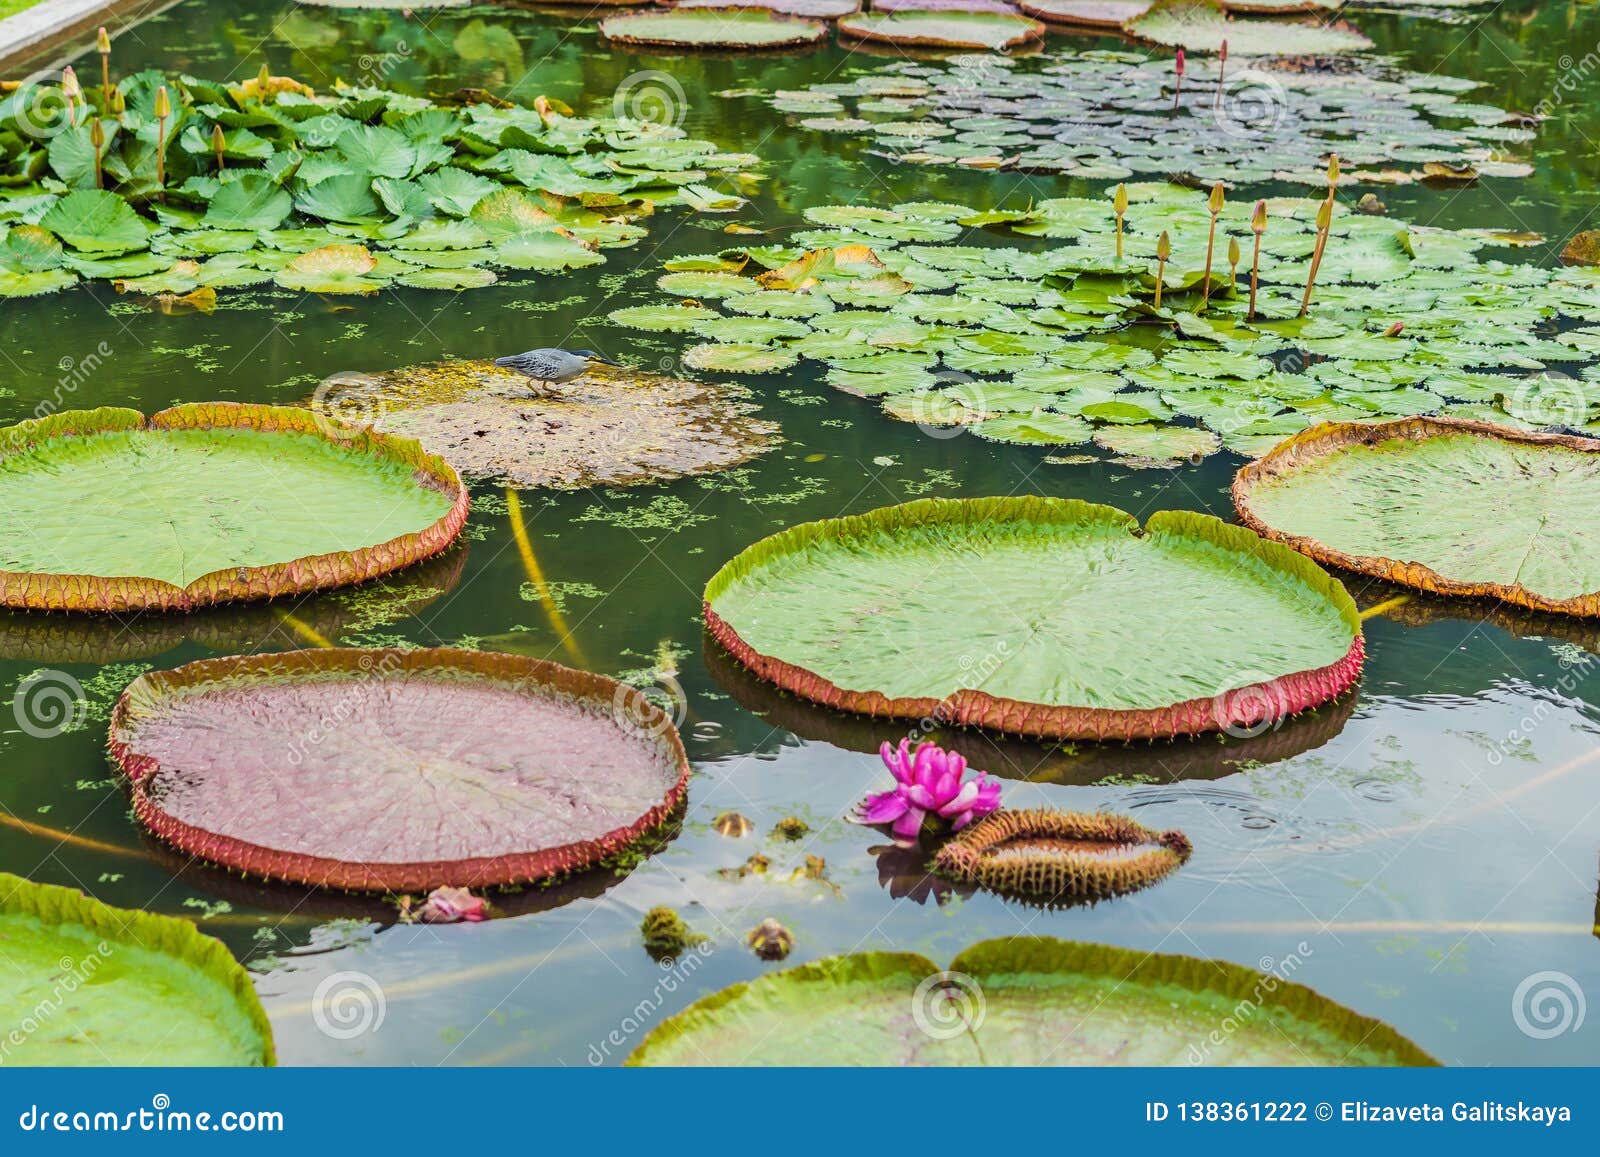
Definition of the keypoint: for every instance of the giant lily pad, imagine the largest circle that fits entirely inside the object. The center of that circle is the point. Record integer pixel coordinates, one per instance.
(1452, 507)
(607, 428)
(1085, 628)
(811, 9)
(939, 29)
(1109, 15)
(713, 28)
(1043, 1002)
(402, 771)
(210, 503)
(1202, 26)
(82, 983)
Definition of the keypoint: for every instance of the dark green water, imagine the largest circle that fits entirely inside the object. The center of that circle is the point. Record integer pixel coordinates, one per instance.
(1420, 850)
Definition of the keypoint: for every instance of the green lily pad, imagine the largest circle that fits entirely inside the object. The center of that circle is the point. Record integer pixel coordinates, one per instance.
(1022, 1001)
(1159, 443)
(713, 28)
(739, 359)
(1460, 508)
(332, 269)
(96, 221)
(82, 983)
(1109, 15)
(832, 611)
(1202, 26)
(212, 503)
(663, 318)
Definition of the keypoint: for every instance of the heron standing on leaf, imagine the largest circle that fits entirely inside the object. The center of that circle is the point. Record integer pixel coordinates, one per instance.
(552, 367)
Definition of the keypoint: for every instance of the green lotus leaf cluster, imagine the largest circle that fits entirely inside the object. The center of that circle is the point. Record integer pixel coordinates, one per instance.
(268, 182)
(1106, 115)
(1053, 339)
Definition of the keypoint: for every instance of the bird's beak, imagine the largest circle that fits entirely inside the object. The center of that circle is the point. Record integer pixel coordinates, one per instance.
(605, 361)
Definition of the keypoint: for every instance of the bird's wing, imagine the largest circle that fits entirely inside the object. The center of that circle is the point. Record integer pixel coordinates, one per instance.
(538, 363)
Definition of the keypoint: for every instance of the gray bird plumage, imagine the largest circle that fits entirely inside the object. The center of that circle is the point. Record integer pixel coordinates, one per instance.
(552, 366)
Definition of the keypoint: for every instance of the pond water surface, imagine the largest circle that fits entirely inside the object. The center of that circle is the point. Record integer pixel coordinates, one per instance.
(1415, 852)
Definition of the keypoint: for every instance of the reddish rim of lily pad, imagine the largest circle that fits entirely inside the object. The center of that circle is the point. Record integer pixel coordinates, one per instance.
(36, 590)
(1110, 15)
(155, 697)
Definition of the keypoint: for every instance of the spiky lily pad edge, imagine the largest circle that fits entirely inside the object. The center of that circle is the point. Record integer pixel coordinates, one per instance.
(1285, 695)
(154, 688)
(37, 590)
(1061, 875)
(52, 904)
(1332, 437)
(989, 961)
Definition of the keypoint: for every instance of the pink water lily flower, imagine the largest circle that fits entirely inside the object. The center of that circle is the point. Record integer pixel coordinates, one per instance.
(449, 905)
(927, 781)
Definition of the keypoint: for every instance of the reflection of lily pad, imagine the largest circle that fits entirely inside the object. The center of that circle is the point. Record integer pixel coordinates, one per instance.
(712, 28)
(396, 770)
(992, 30)
(607, 428)
(875, 614)
(210, 503)
(1456, 508)
(82, 983)
(1044, 1002)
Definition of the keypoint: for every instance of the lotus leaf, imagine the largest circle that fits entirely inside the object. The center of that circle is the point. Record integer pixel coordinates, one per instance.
(210, 503)
(444, 767)
(82, 983)
(1045, 1002)
(1452, 507)
(1068, 647)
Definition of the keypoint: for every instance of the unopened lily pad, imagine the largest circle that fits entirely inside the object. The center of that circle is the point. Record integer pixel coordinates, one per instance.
(85, 984)
(1022, 1001)
(210, 503)
(1451, 507)
(1202, 26)
(401, 771)
(713, 28)
(1086, 627)
(606, 428)
(941, 29)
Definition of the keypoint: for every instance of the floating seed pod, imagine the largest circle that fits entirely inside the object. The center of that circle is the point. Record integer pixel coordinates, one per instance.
(790, 828)
(770, 940)
(666, 935)
(756, 865)
(1051, 855)
(733, 825)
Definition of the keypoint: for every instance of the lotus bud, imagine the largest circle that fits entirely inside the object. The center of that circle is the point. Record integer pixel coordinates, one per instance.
(163, 111)
(1177, 90)
(770, 940)
(219, 143)
(163, 103)
(1258, 226)
(102, 43)
(97, 138)
(1119, 202)
(791, 828)
(1234, 255)
(1324, 224)
(1395, 330)
(1333, 172)
(1215, 204)
(71, 92)
(666, 935)
(263, 78)
(1163, 251)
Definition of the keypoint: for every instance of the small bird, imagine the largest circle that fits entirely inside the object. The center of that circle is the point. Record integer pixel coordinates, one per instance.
(552, 367)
